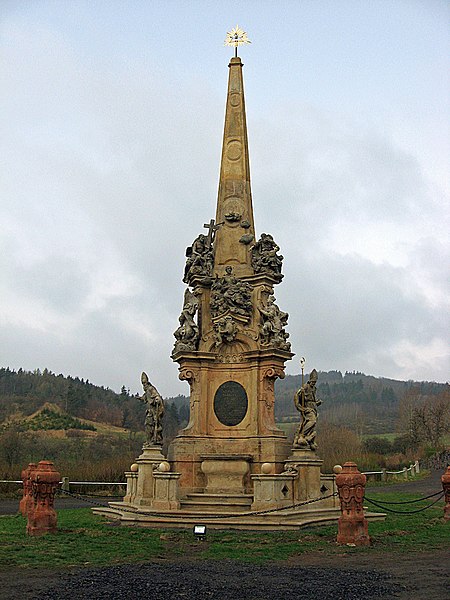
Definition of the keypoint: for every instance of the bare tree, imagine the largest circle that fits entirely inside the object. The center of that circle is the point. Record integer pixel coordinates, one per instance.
(430, 419)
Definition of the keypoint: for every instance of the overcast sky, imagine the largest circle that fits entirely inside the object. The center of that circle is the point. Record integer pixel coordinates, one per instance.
(111, 128)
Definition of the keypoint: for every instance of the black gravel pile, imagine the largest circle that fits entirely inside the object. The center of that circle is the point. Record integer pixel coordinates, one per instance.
(224, 580)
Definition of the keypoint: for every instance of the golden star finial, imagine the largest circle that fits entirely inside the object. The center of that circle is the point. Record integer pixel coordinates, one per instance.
(236, 37)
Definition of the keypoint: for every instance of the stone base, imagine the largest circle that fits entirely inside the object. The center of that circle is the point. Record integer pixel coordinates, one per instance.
(273, 491)
(225, 473)
(148, 461)
(353, 531)
(307, 464)
(166, 491)
(186, 454)
(153, 453)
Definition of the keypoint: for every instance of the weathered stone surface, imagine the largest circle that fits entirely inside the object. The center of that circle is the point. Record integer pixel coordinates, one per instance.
(352, 524)
(231, 295)
(306, 403)
(26, 503)
(225, 473)
(42, 516)
(200, 260)
(272, 332)
(187, 333)
(154, 413)
(265, 257)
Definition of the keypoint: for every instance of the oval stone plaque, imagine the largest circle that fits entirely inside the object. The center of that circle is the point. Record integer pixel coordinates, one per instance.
(230, 403)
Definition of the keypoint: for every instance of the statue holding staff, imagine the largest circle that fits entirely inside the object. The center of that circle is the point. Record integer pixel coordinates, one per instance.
(154, 413)
(306, 403)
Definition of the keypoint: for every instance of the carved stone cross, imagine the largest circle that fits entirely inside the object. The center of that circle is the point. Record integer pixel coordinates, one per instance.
(212, 228)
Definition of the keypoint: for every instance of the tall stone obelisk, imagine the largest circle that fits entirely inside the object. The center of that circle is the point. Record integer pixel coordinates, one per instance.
(234, 203)
(231, 342)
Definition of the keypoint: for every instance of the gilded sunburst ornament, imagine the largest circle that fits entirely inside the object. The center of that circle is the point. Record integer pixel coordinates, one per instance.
(236, 37)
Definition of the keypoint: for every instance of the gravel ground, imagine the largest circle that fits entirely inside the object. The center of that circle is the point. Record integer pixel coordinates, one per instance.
(343, 576)
(220, 581)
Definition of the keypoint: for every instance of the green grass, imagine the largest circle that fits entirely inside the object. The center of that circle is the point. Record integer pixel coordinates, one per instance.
(390, 437)
(87, 539)
(82, 539)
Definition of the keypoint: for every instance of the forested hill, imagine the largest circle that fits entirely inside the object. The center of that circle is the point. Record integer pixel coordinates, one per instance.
(370, 404)
(23, 392)
(345, 398)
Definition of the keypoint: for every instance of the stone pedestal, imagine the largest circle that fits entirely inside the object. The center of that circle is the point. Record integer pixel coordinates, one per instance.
(166, 491)
(273, 491)
(148, 461)
(42, 516)
(225, 473)
(352, 525)
(307, 465)
(132, 479)
(26, 504)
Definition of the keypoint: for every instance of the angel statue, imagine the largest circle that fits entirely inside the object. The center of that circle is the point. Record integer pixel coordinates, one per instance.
(306, 403)
(154, 413)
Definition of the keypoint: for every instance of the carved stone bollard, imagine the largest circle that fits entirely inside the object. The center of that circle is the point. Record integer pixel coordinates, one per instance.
(446, 487)
(26, 503)
(44, 483)
(352, 525)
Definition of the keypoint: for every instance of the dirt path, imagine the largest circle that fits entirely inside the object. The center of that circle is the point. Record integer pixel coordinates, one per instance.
(428, 485)
(345, 576)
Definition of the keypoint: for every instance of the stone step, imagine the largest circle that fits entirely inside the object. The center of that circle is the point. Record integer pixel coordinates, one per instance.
(213, 503)
(220, 498)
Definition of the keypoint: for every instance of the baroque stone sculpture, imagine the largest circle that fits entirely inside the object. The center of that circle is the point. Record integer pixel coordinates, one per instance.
(154, 413)
(272, 330)
(200, 259)
(187, 333)
(265, 258)
(231, 295)
(225, 330)
(306, 403)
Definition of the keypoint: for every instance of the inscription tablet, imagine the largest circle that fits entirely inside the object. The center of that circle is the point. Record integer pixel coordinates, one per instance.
(230, 403)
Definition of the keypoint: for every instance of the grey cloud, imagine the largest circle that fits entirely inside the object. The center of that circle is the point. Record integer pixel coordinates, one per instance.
(109, 180)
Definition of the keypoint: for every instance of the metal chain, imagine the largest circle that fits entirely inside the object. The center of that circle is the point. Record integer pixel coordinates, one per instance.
(404, 512)
(273, 510)
(407, 501)
(227, 516)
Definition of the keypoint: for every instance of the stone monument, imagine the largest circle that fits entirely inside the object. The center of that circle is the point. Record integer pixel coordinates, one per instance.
(231, 461)
(231, 344)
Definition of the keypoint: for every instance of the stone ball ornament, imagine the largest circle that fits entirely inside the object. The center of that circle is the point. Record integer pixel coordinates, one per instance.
(164, 467)
(134, 468)
(266, 468)
(337, 469)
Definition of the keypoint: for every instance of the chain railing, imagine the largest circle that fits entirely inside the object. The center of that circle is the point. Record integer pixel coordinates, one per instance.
(205, 515)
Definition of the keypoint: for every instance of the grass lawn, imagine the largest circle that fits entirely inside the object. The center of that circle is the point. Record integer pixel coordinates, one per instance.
(87, 539)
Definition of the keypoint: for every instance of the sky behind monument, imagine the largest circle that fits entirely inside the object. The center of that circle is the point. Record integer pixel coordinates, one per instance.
(111, 140)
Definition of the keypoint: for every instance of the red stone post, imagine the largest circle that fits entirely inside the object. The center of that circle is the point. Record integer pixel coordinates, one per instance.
(352, 525)
(26, 503)
(44, 483)
(446, 487)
